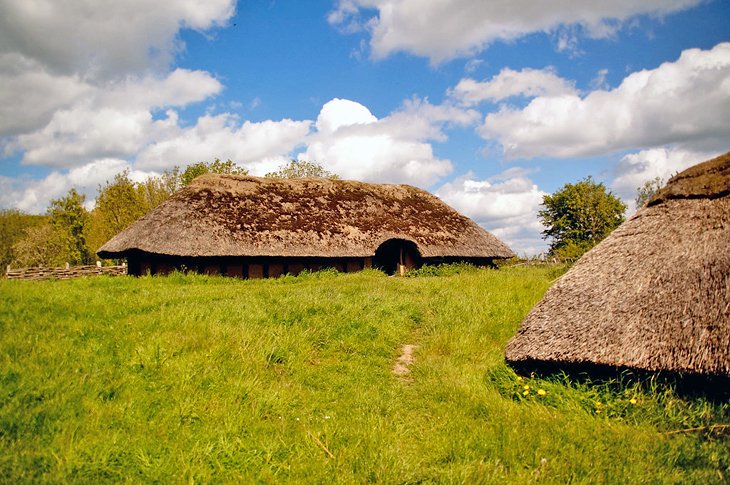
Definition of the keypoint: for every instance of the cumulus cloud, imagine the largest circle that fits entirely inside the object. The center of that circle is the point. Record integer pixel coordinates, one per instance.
(260, 147)
(683, 103)
(508, 83)
(80, 80)
(76, 136)
(180, 87)
(353, 143)
(342, 112)
(34, 195)
(104, 38)
(30, 94)
(444, 29)
(506, 205)
(346, 139)
(83, 84)
(114, 121)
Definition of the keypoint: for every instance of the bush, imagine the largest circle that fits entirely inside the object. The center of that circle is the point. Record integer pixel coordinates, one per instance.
(571, 251)
(444, 269)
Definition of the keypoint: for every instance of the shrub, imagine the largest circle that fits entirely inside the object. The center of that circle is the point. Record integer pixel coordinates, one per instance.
(444, 269)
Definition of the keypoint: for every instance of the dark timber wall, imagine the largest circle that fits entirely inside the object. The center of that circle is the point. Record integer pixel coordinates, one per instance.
(240, 267)
(268, 267)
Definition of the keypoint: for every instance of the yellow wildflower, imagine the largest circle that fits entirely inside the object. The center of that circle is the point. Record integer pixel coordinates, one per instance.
(633, 400)
(526, 388)
(598, 404)
(526, 392)
(598, 411)
(541, 392)
(519, 378)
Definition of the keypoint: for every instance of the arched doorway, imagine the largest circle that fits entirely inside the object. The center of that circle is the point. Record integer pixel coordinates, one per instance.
(396, 253)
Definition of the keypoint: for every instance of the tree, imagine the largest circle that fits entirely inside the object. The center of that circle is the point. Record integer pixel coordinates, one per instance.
(13, 227)
(301, 169)
(216, 166)
(42, 245)
(647, 191)
(118, 204)
(122, 201)
(578, 216)
(70, 218)
(153, 191)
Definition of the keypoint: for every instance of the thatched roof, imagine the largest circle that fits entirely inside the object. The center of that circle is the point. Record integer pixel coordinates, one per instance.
(229, 215)
(653, 296)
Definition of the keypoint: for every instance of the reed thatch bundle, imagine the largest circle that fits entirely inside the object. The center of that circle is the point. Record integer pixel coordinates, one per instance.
(229, 215)
(653, 296)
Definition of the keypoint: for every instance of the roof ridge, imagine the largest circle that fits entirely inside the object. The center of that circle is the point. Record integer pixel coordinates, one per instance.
(706, 180)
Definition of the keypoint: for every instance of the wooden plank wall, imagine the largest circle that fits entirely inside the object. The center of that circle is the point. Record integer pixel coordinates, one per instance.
(251, 268)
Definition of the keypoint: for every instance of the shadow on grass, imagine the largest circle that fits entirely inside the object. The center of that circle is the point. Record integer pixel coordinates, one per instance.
(714, 388)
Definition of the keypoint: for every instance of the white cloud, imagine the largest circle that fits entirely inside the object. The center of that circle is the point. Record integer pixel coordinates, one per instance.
(115, 121)
(80, 79)
(104, 53)
(354, 144)
(567, 39)
(472, 65)
(346, 17)
(178, 88)
(599, 82)
(30, 94)
(81, 84)
(260, 147)
(104, 38)
(342, 112)
(379, 157)
(508, 83)
(683, 103)
(34, 196)
(349, 140)
(79, 135)
(506, 205)
(444, 29)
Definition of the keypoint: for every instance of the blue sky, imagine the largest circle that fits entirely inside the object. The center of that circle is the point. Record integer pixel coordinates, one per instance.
(489, 105)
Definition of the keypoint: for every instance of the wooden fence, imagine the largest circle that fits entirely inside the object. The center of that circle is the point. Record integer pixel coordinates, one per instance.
(64, 273)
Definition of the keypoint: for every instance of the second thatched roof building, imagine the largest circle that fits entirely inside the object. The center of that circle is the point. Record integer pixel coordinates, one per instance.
(258, 227)
(653, 296)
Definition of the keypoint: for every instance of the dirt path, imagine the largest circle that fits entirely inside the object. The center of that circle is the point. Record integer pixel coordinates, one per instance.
(406, 358)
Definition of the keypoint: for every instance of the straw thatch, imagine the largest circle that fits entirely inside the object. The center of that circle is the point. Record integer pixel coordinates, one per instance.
(229, 215)
(653, 296)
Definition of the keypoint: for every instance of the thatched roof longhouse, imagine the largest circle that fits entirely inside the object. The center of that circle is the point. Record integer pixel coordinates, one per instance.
(229, 215)
(653, 296)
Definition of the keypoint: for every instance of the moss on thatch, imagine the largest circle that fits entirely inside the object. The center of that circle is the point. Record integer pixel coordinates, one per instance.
(228, 215)
(653, 296)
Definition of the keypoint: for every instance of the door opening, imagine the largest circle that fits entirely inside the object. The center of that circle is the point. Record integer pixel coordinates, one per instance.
(395, 256)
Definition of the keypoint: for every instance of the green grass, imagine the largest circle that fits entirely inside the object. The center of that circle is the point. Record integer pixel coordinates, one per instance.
(205, 379)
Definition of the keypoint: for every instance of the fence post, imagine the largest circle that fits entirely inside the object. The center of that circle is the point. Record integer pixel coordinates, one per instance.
(67, 266)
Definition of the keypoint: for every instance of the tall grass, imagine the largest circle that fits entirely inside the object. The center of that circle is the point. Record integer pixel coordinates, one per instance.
(206, 379)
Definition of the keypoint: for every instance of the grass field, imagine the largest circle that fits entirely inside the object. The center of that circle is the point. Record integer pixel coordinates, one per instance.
(205, 379)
